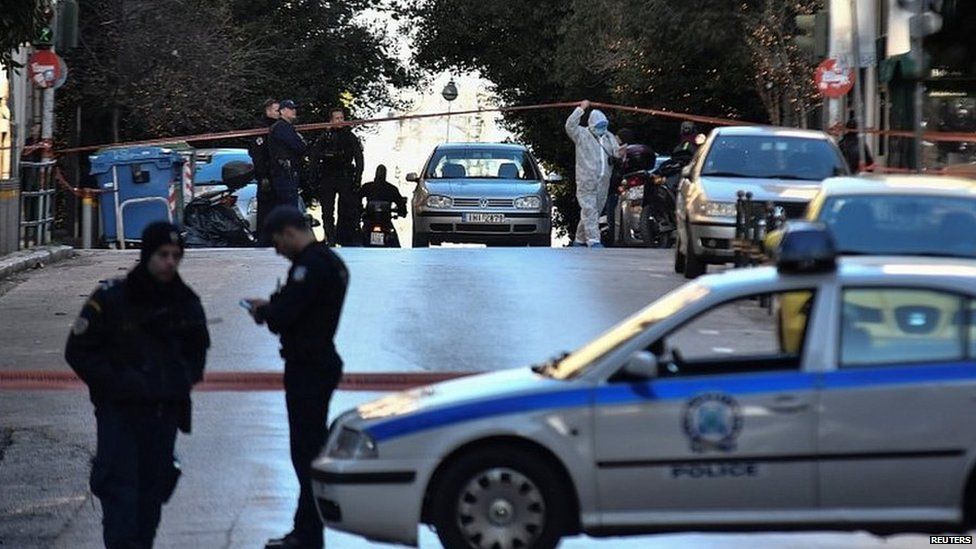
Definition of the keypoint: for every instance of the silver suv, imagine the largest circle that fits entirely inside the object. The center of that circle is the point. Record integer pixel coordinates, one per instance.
(488, 193)
(779, 165)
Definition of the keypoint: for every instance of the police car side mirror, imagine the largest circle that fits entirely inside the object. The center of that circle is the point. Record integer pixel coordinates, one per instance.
(642, 364)
(412, 177)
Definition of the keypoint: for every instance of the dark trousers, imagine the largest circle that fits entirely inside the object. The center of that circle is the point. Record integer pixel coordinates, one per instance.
(346, 232)
(132, 471)
(266, 202)
(308, 416)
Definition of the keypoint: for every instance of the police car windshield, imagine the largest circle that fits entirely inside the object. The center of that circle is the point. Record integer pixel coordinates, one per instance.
(902, 225)
(580, 360)
(482, 163)
(773, 157)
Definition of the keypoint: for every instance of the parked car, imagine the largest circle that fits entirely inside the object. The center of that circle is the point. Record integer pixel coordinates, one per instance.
(481, 193)
(662, 425)
(207, 178)
(783, 166)
(899, 214)
(886, 215)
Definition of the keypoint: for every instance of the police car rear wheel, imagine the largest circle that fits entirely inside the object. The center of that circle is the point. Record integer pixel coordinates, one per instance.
(500, 498)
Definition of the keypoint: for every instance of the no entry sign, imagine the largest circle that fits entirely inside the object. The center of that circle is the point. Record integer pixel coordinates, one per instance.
(45, 68)
(834, 79)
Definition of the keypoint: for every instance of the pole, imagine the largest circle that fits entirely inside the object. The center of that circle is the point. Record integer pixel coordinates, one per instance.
(87, 202)
(47, 157)
(919, 88)
(448, 140)
(858, 98)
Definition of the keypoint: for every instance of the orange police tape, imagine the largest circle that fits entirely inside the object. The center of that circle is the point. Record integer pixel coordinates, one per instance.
(40, 380)
(960, 137)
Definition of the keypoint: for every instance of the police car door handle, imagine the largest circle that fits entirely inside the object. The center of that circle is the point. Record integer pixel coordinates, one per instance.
(788, 404)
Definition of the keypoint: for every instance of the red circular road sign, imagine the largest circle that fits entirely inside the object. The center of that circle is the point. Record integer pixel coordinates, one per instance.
(833, 79)
(45, 68)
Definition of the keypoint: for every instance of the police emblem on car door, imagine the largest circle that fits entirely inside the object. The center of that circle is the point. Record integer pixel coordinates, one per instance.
(729, 423)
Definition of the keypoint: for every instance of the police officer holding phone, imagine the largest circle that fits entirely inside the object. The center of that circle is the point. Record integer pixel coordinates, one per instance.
(305, 314)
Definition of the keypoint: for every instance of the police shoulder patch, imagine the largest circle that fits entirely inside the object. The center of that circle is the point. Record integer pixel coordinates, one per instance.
(299, 274)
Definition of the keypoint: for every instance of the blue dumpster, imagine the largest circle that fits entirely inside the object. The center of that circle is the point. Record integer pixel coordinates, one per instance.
(141, 178)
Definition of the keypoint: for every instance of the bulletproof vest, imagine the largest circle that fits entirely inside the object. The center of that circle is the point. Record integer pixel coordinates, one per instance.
(336, 150)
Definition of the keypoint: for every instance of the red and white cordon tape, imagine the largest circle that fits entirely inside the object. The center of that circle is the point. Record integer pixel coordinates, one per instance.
(39, 380)
(958, 137)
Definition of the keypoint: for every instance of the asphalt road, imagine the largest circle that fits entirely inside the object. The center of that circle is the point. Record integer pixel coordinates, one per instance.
(407, 310)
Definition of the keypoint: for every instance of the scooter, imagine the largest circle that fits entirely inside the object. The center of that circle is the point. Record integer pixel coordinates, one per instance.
(658, 212)
(212, 219)
(377, 227)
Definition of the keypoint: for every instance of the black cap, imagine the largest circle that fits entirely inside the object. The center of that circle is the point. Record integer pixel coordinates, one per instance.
(284, 216)
(157, 235)
(287, 104)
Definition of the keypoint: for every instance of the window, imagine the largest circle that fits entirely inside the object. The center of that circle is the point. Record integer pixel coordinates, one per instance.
(971, 313)
(773, 156)
(482, 163)
(881, 326)
(902, 224)
(752, 334)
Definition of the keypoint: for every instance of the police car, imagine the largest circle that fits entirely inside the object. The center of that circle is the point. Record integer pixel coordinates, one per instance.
(694, 414)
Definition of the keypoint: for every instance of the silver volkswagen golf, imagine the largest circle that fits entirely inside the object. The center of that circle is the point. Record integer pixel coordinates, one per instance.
(487, 193)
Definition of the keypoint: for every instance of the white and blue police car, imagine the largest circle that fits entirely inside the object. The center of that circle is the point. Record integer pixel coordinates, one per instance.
(712, 408)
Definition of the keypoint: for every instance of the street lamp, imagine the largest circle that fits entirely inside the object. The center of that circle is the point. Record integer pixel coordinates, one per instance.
(450, 93)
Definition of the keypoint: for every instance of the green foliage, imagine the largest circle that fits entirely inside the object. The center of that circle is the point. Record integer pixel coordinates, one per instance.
(20, 22)
(686, 56)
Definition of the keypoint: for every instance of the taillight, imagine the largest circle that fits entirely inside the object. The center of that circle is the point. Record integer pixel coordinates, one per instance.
(634, 181)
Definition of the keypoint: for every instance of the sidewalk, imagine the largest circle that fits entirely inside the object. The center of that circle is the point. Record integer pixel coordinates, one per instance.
(31, 258)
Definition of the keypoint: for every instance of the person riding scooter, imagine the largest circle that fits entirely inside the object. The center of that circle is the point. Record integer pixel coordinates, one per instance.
(381, 196)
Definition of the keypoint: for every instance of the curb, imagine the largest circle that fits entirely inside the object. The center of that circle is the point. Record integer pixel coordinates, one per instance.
(33, 258)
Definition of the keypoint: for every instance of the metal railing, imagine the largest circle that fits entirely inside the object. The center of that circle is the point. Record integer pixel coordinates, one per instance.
(36, 202)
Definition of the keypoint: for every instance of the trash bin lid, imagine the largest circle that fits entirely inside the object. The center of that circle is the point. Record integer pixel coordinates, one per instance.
(103, 160)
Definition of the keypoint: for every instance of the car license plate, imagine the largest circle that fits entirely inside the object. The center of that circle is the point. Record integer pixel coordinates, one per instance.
(483, 218)
(377, 239)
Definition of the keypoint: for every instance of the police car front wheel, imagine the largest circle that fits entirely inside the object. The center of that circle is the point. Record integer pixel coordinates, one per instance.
(500, 498)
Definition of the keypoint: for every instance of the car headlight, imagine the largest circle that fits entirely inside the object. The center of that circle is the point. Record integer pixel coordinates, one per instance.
(351, 444)
(717, 209)
(252, 206)
(438, 201)
(528, 203)
(635, 193)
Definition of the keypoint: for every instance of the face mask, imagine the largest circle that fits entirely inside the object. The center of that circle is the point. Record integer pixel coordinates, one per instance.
(599, 130)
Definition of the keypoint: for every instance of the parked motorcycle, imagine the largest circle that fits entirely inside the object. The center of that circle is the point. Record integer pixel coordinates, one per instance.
(658, 213)
(212, 220)
(377, 228)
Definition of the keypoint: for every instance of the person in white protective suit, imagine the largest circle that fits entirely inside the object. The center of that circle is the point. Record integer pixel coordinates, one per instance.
(595, 146)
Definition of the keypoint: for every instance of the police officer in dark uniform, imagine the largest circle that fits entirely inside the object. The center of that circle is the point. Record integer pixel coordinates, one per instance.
(257, 148)
(139, 344)
(338, 158)
(305, 314)
(286, 147)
